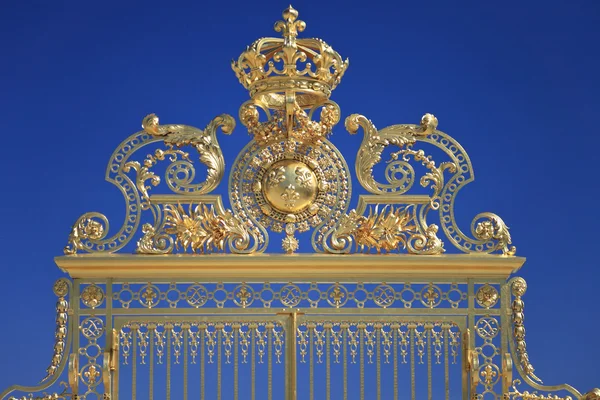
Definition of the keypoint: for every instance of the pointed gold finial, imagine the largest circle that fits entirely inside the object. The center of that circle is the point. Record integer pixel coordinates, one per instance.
(290, 26)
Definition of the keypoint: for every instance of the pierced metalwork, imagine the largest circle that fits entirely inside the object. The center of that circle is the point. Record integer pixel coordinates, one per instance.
(290, 177)
(294, 324)
(276, 295)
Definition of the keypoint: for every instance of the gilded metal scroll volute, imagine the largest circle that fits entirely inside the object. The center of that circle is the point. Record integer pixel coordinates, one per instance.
(206, 144)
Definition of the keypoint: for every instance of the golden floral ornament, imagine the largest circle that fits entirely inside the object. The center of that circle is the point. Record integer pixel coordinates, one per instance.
(92, 374)
(391, 229)
(487, 296)
(202, 230)
(488, 374)
(92, 296)
(61, 287)
(289, 243)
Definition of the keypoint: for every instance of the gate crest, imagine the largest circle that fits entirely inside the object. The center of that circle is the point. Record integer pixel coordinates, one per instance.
(290, 178)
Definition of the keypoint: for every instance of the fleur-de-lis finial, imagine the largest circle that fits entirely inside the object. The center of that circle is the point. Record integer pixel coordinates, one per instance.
(290, 26)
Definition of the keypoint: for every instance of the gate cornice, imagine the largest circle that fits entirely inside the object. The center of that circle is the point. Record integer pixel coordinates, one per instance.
(301, 267)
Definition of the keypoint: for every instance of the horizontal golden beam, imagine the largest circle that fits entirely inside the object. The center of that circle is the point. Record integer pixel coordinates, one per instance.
(296, 267)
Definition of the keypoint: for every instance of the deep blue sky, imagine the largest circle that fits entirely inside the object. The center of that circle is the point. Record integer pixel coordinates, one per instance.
(516, 82)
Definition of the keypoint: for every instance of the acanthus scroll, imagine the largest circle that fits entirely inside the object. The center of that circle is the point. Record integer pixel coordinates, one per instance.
(204, 141)
(373, 144)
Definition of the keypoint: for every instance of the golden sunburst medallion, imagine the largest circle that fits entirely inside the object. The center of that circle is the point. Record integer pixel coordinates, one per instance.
(290, 183)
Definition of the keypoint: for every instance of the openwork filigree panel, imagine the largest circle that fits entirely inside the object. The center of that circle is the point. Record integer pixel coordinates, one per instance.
(290, 295)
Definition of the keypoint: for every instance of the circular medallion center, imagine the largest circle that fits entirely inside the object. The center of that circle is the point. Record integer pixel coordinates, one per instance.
(290, 186)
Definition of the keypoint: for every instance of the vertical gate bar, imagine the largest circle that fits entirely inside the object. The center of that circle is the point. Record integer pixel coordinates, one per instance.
(413, 389)
(115, 394)
(428, 332)
(253, 362)
(109, 330)
(345, 360)
(327, 362)
(219, 338)
(471, 339)
(202, 331)
(75, 303)
(311, 371)
(286, 365)
(395, 343)
(134, 362)
(291, 357)
(236, 333)
(361, 340)
(270, 361)
(504, 322)
(151, 328)
(378, 344)
(168, 329)
(446, 363)
(185, 329)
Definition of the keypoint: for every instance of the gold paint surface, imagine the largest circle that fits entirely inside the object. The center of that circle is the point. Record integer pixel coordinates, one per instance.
(290, 186)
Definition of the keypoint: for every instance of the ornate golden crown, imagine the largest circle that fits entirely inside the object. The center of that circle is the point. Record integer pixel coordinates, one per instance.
(289, 79)
(271, 67)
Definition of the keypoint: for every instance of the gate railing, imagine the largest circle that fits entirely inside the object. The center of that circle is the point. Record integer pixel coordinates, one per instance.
(157, 339)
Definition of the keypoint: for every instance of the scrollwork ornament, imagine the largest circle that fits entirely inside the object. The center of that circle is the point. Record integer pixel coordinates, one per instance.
(373, 144)
(90, 226)
(526, 395)
(206, 144)
(153, 242)
(65, 394)
(426, 243)
(143, 172)
(489, 226)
